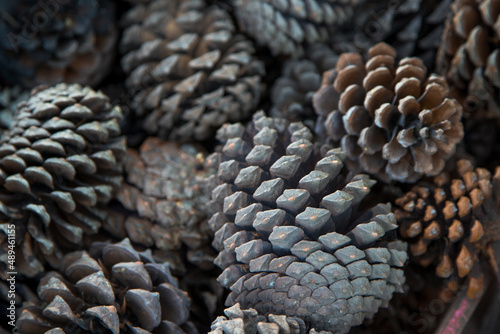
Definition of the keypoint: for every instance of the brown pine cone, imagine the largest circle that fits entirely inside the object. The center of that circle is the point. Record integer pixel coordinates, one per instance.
(452, 223)
(59, 167)
(188, 69)
(292, 236)
(114, 289)
(469, 56)
(392, 121)
(47, 42)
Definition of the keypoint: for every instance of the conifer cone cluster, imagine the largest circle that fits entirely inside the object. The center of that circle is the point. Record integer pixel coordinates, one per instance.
(59, 167)
(469, 56)
(110, 289)
(188, 68)
(164, 190)
(286, 26)
(452, 223)
(292, 237)
(392, 120)
(47, 42)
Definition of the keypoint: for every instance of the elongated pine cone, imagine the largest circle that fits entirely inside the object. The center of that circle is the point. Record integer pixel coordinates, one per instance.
(452, 223)
(249, 321)
(47, 42)
(292, 237)
(286, 26)
(164, 189)
(292, 92)
(114, 289)
(469, 56)
(59, 167)
(188, 69)
(392, 121)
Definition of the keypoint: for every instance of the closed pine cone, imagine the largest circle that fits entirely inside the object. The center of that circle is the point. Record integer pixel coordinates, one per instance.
(391, 120)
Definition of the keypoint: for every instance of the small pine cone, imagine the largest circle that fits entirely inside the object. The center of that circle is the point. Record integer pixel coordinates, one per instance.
(290, 236)
(392, 121)
(188, 68)
(59, 167)
(451, 223)
(44, 42)
(114, 289)
(286, 26)
(469, 56)
(9, 99)
(164, 189)
(292, 93)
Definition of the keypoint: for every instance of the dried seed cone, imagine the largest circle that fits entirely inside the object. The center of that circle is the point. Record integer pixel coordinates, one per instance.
(188, 69)
(47, 42)
(165, 192)
(59, 166)
(286, 26)
(451, 223)
(469, 56)
(114, 289)
(392, 120)
(291, 239)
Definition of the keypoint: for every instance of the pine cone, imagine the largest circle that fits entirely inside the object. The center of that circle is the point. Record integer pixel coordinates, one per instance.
(292, 93)
(286, 26)
(291, 238)
(250, 322)
(9, 99)
(114, 289)
(469, 54)
(47, 42)
(58, 169)
(188, 69)
(392, 121)
(452, 223)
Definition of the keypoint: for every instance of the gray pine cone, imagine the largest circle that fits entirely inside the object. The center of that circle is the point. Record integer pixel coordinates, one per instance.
(59, 167)
(188, 69)
(292, 238)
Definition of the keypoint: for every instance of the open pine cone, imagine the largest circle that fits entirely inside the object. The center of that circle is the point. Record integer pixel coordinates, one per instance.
(391, 120)
(292, 236)
(452, 223)
(47, 42)
(188, 69)
(469, 56)
(114, 289)
(59, 167)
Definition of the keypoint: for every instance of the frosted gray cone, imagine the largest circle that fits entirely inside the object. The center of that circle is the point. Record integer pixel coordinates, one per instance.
(111, 289)
(59, 166)
(188, 69)
(296, 245)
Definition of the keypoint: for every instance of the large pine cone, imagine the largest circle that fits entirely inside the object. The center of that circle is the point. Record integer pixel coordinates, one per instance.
(114, 289)
(59, 166)
(469, 56)
(392, 121)
(452, 223)
(188, 69)
(286, 26)
(47, 42)
(291, 236)
(164, 189)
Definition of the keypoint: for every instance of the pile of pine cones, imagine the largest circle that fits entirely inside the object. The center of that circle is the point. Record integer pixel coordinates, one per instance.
(249, 166)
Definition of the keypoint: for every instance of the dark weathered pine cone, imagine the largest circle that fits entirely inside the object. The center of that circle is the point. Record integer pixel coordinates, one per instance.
(164, 189)
(391, 120)
(291, 239)
(469, 56)
(292, 93)
(286, 26)
(452, 223)
(114, 289)
(59, 166)
(10, 97)
(50, 42)
(188, 69)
